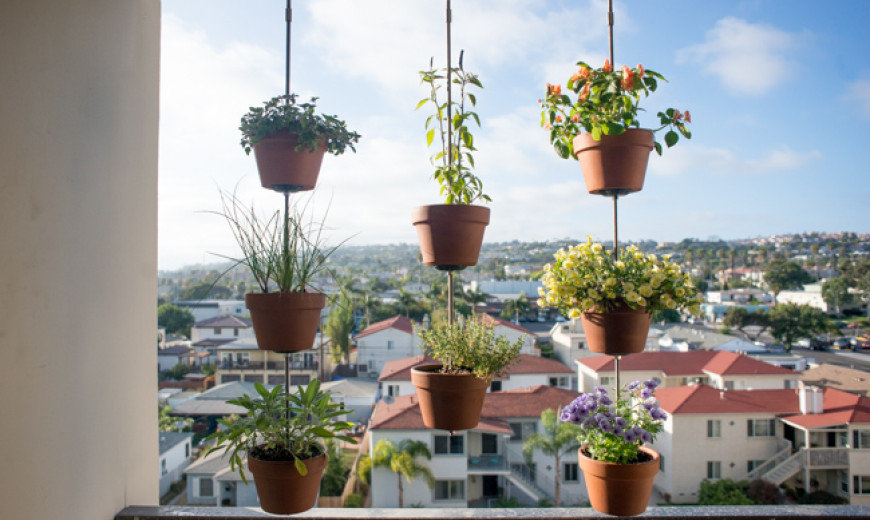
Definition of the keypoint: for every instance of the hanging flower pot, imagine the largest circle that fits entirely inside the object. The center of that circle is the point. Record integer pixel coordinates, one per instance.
(282, 490)
(449, 402)
(450, 235)
(620, 489)
(622, 330)
(285, 321)
(615, 163)
(283, 168)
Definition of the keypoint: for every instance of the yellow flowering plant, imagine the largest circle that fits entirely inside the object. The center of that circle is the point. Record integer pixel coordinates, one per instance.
(586, 278)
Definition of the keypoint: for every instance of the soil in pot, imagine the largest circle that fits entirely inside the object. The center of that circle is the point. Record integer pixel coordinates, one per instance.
(449, 402)
(280, 487)
(620, 489)
(615, 164)
(450, 235)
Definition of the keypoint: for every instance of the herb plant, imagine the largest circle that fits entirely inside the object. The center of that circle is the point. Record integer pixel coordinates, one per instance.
(280, 426)
(454, 162)
(607, 104)
(276, 264)
(470, 346)
(614, 431)
(283, 113)
(586, 278)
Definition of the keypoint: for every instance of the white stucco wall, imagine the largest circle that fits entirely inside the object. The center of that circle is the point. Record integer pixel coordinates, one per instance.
(372, 349)
(78, 169)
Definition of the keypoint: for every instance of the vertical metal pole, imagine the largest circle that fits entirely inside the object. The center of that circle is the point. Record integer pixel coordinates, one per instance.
(287, 391)
(449, 91)
(450, 311)
(615, 195)
(288, 16)
(616, 359)
(615, 228)
(610, 26)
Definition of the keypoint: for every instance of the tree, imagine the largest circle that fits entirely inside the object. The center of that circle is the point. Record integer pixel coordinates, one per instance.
(339, 324)
(836, 293)
(666, 316)
(790, 322)
(167, 423)
(781, 275)
(335, 474)
(558, 439)
(740, 318)
(175, 319)
(403, 461)
(203, 290)
(516, 307)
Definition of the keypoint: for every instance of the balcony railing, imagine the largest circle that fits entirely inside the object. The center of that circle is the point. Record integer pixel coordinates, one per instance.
(271, 365)
(792, 512)
(828, 457)
(483, 463)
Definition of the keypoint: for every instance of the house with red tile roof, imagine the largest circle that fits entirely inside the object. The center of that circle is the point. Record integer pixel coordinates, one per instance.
(471, 466)
(385, 341)
(527, 370)
(720, 369)
(807, 438)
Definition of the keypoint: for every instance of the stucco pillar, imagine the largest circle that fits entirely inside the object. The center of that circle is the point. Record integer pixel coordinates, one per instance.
(78, 250)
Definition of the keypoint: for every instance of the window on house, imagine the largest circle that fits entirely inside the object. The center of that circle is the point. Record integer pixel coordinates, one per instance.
(449, 445)
(606, 381)
(563, 381)
(714, 429)
(861, 439)
(217, 332)
(661, 463)
(580, 345)
(554, 381)
(714, 469)
(752, 464)
(488, 444)
(163, 470)
(236, 332)
(390, 345)
(206, 487)
(523, 430)
(495, 386)
(729, 385)
(861, 484)
(761, 427)
(300, 379)
(393, 390)
(571, 472)
(449, 490)
(187, 450)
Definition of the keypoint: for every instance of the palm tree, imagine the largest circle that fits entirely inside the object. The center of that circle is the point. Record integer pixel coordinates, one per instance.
(558, 439)
(402, 460)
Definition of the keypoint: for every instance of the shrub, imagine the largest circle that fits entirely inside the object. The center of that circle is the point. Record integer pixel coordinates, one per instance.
(353, 500)
(763, 492)
(723, 492)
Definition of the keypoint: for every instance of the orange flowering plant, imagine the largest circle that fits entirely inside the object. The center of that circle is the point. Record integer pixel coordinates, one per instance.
(606, 104)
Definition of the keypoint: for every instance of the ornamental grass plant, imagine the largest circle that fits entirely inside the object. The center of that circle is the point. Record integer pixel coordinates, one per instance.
(586, 278)
(613, 431)
(470, 346)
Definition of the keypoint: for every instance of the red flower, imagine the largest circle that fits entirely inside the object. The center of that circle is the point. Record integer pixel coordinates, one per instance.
(554, 90)
(688, 117)
(584, 93)
(582, 73)
(558, 119)
(640, 70)
(627, 78)
(677, 115)
(575, 118)
(607, 66)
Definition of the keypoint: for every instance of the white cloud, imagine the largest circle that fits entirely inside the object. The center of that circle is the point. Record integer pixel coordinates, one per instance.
(858, 92)
(748, 58)
(719, 161)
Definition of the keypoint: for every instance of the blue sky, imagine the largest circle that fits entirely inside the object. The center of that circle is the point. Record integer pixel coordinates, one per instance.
(779, 92)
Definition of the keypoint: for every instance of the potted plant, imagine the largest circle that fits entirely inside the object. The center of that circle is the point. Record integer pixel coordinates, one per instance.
(289, 140)
(613, 152)
(281, 438)
(451, 234)
(615, 298)
(619, 470)
(451, 392)
(285, 255)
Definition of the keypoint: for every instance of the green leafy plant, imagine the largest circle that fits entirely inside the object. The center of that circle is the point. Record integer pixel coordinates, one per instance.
(283, 113)
(284, 262)
(280, 426)
(586, 278)
(470, 346)
(614, 431)
(606, 104)
(454, 162)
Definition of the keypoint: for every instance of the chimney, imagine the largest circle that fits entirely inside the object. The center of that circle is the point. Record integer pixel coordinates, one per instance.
(810, 399)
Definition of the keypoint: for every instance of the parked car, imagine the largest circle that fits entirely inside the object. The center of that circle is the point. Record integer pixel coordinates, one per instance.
(841, 344)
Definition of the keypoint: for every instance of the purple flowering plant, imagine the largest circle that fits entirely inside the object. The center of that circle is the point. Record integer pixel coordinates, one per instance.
(614, 431)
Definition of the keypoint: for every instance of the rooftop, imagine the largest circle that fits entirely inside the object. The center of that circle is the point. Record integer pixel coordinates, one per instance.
(696, 362)
(397, 322)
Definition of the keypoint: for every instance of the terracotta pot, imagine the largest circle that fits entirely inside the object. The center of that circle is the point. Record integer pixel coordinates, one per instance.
(285, 322)
(280, 487)
(450, 235)
(619, 489)
(617, 163)
(620, 331)
(282, 168)
(448, 401)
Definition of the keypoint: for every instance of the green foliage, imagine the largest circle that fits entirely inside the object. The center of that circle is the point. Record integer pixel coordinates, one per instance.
(790, 322)
(557, 440)
(511, 502)
(353, 500)
(207, 369)
(281, 426)
(666, 316)
(470, 345)
(453, 164)
(339, 324)
(177, 372)
(516, 308)
(607, 104)
(764, 492)
(781, 275)
(364, 469)
(822, 498)
(282, 253)
(335, 473)
(205, 289)
(724, 492)
(167, 423)
(836, 293)
(403, 460)
(283, 113)
(175, 319)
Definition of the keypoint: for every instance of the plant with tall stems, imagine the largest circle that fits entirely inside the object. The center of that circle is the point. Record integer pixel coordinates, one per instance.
(454, 162)
(470, 346)
(281, 426)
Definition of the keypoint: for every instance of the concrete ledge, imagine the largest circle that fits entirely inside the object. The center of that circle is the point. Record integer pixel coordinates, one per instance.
(790, 512)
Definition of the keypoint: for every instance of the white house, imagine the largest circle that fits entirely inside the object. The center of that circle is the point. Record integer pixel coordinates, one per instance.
(720, 369)
(676, 337)
(174, 457)
(356, 395)
(205, 309)
(385, 341)
(486, 462)
(510, 331)
(806, 438)
(221, 328)
(171, 356)
(569, 341)
(211, 482)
